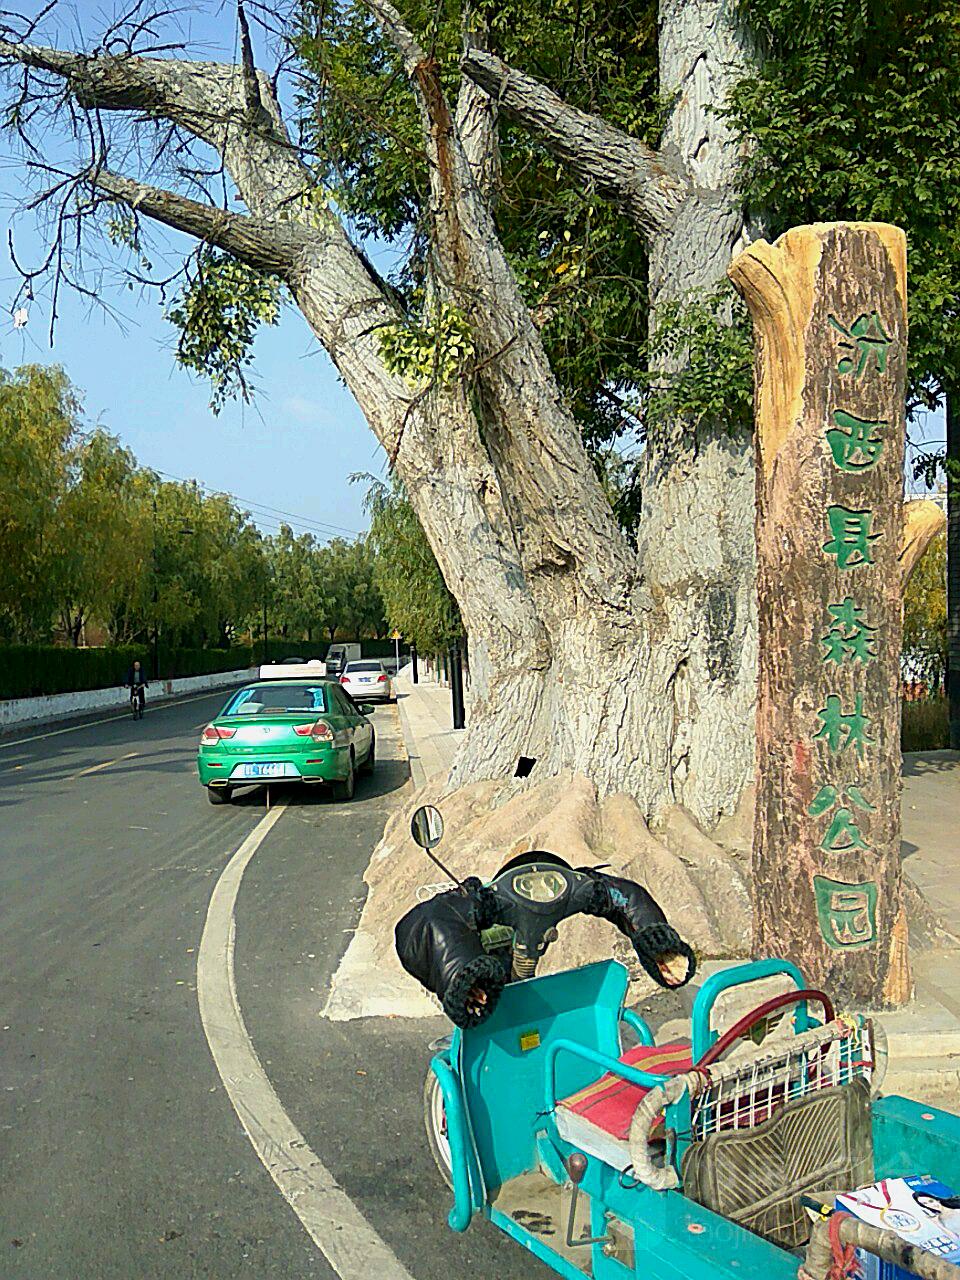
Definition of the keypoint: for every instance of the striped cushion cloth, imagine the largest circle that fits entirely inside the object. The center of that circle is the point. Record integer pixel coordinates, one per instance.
(610, 1102)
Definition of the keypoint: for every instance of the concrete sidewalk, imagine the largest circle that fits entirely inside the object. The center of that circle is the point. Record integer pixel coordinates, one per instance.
(426, 718)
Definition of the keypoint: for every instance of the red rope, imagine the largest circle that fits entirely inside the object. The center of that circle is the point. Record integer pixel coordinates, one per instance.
(845, 1264)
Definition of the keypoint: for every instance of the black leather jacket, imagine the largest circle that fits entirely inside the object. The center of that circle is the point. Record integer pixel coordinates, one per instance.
(439, 941)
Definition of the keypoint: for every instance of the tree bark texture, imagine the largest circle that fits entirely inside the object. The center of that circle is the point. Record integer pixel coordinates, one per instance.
(673, 697)
(695, 537)
(829, 305)
(696, 661)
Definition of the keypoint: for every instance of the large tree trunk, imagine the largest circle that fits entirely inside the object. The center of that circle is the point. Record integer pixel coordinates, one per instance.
(696, 538)
(665, 680)
(650, 674)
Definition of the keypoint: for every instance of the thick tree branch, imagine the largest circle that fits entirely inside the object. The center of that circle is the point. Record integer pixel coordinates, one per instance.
(625, 170)
(569, 540)
(266, 246)
(398, 33)
(201, 97)
(476, 121)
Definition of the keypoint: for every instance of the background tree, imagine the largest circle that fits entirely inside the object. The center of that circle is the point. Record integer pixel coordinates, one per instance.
(925, 619)
(416, 601)
(359, 605)
(303, 600)
(324, 587)
(94, 553)
(39, 427)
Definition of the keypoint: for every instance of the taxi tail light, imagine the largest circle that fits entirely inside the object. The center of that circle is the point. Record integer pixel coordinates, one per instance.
(214, 732)
(319, 731)
(381, 679)
(344, 679)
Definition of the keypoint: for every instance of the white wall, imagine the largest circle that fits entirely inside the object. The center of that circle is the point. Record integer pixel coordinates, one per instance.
(61, 706)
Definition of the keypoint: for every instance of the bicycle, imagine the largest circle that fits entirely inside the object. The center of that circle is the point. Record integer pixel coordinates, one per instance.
(137, 701)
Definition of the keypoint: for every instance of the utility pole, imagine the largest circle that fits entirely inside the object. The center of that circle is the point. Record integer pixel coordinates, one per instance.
(156, 597)
(265, 658)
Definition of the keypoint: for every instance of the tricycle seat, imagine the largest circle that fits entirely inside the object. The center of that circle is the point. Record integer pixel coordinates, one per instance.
(597, 1118)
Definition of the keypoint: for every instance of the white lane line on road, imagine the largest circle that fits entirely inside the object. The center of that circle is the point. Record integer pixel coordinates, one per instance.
(331, 1219)
(104, 764)
(90, 724)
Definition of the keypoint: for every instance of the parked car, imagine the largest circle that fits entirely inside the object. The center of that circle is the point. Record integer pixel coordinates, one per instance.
(367, 681)
(296, 730)
(338, 655)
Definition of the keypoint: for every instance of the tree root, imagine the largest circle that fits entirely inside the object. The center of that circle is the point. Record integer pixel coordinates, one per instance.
(701, 886)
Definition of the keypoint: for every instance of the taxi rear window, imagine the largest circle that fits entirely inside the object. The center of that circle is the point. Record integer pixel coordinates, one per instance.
(275, 698)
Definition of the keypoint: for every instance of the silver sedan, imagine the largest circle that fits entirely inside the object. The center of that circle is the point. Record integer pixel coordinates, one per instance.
(367, 681)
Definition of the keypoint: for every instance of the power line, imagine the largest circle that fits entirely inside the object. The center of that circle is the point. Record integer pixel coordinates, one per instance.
(320, 526)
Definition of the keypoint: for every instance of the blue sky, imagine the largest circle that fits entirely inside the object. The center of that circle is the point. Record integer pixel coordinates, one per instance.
(293, 450)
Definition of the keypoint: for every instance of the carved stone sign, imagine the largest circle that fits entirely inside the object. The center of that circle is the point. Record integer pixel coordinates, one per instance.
(829, 306)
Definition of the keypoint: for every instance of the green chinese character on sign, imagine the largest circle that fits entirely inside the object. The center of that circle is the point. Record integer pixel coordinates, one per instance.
(849, 636)
(843, 833)
(853, 442)
(851, 538)
(840, 729)
(866, 341)
(847, 913)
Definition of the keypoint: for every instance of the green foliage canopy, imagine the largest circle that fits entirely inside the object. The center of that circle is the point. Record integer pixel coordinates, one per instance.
(416, 601)
(39, 429)
(925, 618)
(322, 587)
(854, 113)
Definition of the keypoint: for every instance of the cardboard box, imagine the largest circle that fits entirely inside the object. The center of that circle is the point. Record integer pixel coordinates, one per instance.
(914, 1209)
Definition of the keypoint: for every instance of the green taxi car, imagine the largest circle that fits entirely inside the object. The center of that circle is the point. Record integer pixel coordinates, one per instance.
(308, 731)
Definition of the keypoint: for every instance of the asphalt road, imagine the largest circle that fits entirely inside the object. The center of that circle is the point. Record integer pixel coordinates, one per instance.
(120, 1153)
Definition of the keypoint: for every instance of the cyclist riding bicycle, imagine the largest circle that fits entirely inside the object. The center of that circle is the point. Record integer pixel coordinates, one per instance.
(137, 683)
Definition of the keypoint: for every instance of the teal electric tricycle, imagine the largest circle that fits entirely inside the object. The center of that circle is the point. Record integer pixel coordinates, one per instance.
(719, 1156)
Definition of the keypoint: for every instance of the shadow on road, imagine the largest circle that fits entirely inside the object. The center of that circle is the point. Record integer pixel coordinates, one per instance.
(387, 776)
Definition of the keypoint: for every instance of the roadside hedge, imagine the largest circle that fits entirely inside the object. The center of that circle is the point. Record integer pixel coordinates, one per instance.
(36, 670)
(31, 670)
(924, 725)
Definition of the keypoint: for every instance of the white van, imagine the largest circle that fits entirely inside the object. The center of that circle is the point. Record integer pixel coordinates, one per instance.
(338, 655)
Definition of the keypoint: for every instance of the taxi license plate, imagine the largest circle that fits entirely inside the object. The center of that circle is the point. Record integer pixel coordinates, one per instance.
(273, 770)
